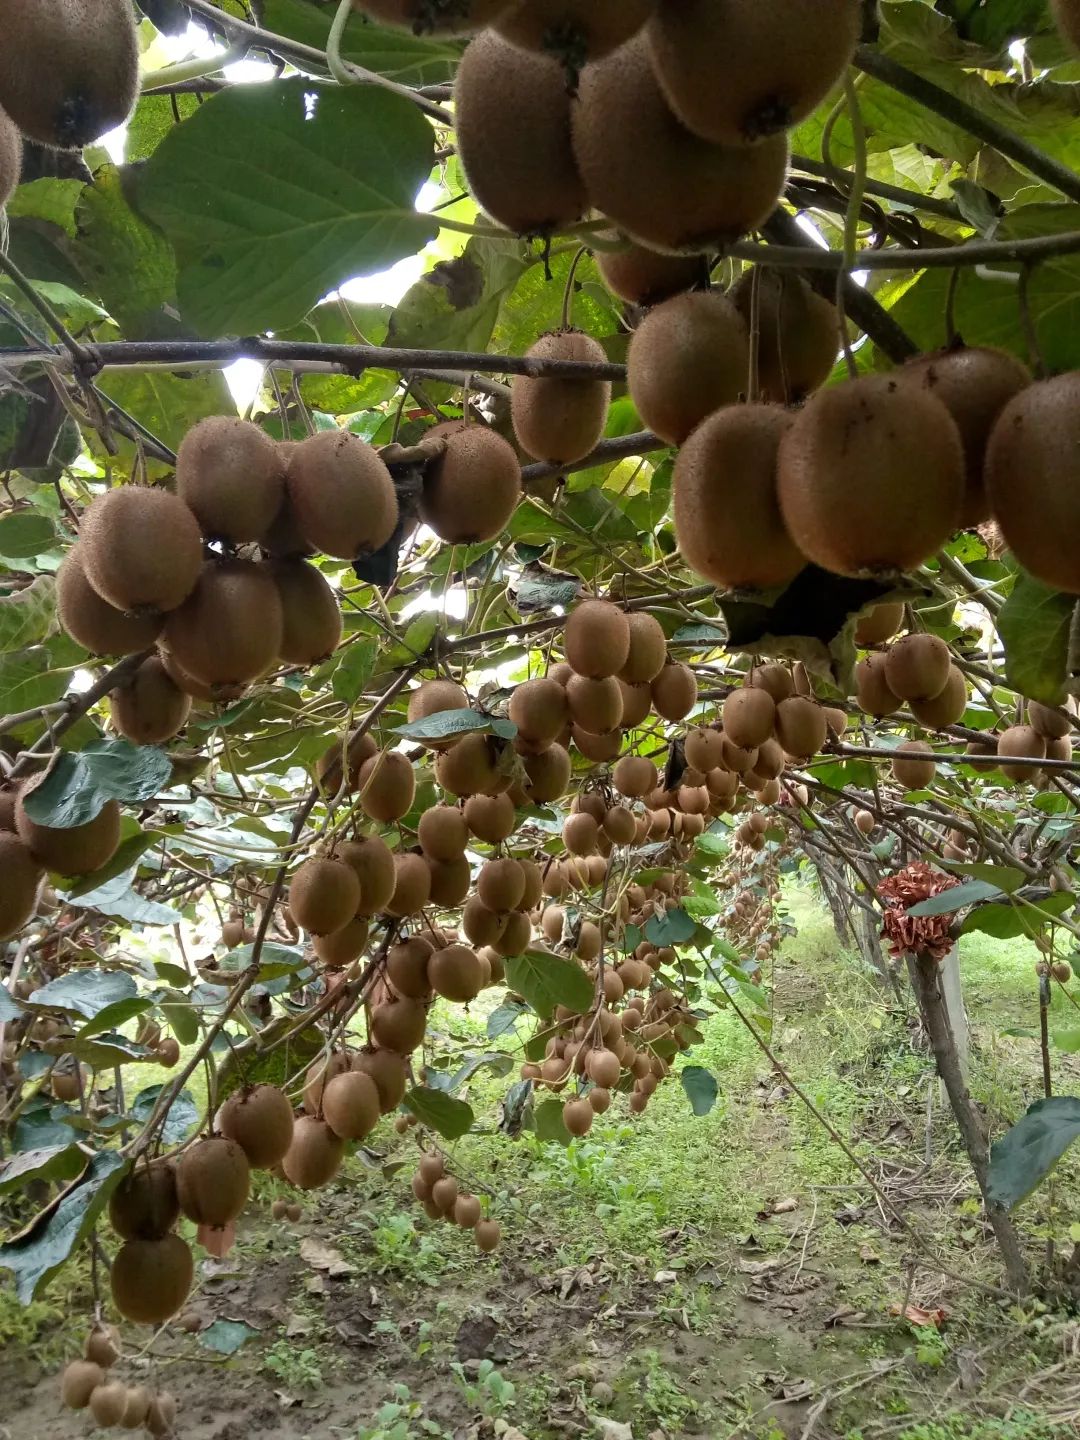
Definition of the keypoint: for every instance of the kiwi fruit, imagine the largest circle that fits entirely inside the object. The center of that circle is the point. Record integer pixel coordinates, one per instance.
(974, 384)
(232, 476)
(341, 947)
(137, 1407)
(102, 1345)
(412, 885)
(500, 884)
(488, 1234)
(491, 818)
(407, 968)
(260, 1120)
(871, 477)
(471, 489)
(1066, 15)
(580, 833)
(798, 333)
(342, 494)
(516, 935)
(229, 629)
(595, 705)
(1033, 480)
(512, 123)
(749, 715)
(674, 692)
(574, 31)
(198, 689)
(451, 881)
(872, 687)
(77, 850)
(213, 1181)
(456, 973)
(351, 1105)
(548, 774)
(149, 708)
(597, 639)
(399, 1025)
(20, 881)
(880, 623)
(780, 61)
(946, 707)
(634, 776)
(435, 17)
(91, 621)
(140, 548)
(151, 1279)
(78, 1382)
(688, 357)
(443, 833)
(801, 728)
(911, 771)
(69, 71)
(620, 825)
(657, 181)
(108, 1403)
(387, 786)
(315, 1155)
(351, 752)
(389, 1072)
(320, 1074)
(1049, 722)
(703, 746)
(1020, 740)
(728, 524)
(10, 158)
(311, 617)
(435, 697)
(539, 710)
(917, 666)
(648, 649)
(372, 862)
(161, 1414)
(145, 1205)
(578, 1116)
(555, 419)
(324, 894)
(469, 766)
(645, 277)
(481, 925)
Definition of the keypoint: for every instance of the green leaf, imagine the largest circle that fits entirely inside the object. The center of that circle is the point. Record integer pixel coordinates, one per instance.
(456, 722)
(119, 899)
(53, 1162)
(118, 1013)
(409, 59)
(53, 201)
(547, 980)
(25, 534)
(180, 1119)
(1005, 877)
(956, 898)
(225, 1337)
(36, 1254)
(129, 263)
(548, 1123)
(450, 1117)
(78, 786)
(85, 992)
(26, 616)
(168, 405)
(275, 194)
(107, 1051)
(1034, 628)
(354, 671)
(1066, 1040)
(504, 1018)
(1021, 1160)
(674, 927)
(455, 305)
(701, 1088)
(1009, 922)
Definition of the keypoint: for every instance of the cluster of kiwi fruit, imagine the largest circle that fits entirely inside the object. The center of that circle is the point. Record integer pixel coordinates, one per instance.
(444, 1199)
(69, 72)
(86, 1385)
(750, 921)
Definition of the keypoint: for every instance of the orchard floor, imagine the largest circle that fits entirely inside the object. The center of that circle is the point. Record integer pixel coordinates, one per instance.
(729, 1276)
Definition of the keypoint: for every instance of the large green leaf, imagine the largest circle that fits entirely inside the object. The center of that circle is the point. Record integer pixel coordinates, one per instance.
(1034, 628)
(52, 1162)
(79, 786)
(168, 405)
(29, 678)
(273, 195)
(455, 305)
(117, 898)
(448, 723)
(24, 534)
(127, 262)
(701, 1088)
(36, 1254)
(354, 670)
(547, 980)
(1009, 922)
(85, 992)
(451, 1117)
(180, 1119)
(674, 927)
(548, 1123)
(27, 615)
(955, 899)
(1025, 1155)
(407, 58)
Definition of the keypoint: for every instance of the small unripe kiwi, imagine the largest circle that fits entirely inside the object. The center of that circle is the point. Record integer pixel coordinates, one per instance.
(911, 771)
(560, 420)
(472, 489)
(140, 548)
(687, 358)
(342, 494)
(917, 666)
(597, 639)
(232, 476)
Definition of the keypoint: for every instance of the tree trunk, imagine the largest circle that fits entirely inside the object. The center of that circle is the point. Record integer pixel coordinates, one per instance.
(926, 977)
(953, 995)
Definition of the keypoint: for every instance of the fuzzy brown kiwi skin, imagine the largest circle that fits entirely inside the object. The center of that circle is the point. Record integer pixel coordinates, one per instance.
(641, 276)
(687, 359)
(311, 617)
(342, 495)
(141, 548)
(727, 517)
(799, 334)
(150, 708)
(69, 71)
(871, 477)
(1033, 479)
(472, 489)
(78, 850)
(513, 129)
(575, 31)
(781, 60)
(557, 420)
(663, 186)
(974, 383)
(20, 880)
(92, 621)
(232, 475)
(10, 158)
(229, 630)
